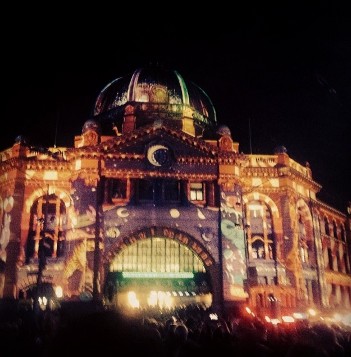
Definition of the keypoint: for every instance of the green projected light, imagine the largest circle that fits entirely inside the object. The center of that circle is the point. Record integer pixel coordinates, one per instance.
(145, 275)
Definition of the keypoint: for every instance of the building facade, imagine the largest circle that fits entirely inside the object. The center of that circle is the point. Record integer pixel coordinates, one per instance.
(154, 205)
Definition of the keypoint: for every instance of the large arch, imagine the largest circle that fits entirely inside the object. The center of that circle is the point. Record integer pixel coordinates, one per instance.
(257, 196)
(62, 194)
(167, 280)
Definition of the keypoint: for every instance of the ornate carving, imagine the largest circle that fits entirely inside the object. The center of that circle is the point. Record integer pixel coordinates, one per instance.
(90, 138)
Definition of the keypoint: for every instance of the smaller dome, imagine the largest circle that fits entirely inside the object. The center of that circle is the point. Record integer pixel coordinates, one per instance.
(20, 139)
(223, 130)
(91, 125)
(280, 150)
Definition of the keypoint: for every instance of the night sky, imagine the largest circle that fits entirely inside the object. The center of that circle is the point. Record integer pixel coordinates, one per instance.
(286, 74)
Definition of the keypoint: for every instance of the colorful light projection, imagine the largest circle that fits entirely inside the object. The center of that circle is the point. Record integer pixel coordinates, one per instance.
(233, 245)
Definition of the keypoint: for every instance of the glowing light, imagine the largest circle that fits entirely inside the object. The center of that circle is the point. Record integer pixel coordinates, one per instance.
(50, 175)
(168, 301)
(58, 291)
(275, 321)
(152, 299)
(248, 310)
(337, 317)
(213, 316)
(288, 319)
(267, 319)
(145, 275)
(312, 312)
(132, 299)
(299, 315)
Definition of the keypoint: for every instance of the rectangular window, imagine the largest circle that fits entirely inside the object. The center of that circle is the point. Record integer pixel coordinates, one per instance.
(196, 191)
(171, 190)
(146, 190)
(118, 189)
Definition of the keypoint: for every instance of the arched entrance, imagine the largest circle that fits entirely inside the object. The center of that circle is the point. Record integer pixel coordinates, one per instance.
(159, 268)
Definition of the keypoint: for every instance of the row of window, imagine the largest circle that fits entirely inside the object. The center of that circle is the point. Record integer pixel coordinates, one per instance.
(159, 191)
(334, 232)
(48, 217)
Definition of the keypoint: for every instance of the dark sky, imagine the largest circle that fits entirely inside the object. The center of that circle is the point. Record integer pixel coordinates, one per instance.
(287, 72)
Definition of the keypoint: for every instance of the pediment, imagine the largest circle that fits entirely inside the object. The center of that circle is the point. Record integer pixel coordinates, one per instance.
(137, 143)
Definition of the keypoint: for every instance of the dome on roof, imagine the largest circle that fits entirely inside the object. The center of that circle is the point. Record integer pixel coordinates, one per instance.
(223, 130)
(155, 93)
(280, 150)
(20, 139)
(91, 125)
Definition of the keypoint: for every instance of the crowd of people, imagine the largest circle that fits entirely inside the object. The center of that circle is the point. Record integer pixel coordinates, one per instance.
(190, 331)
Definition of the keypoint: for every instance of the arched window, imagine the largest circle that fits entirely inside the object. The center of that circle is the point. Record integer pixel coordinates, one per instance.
(335, 230)
(258, 248)
(326, 226)
(342, 233)
(47, 227)
(260, 234)
(158, 255)
(330, 259)
(303, 239)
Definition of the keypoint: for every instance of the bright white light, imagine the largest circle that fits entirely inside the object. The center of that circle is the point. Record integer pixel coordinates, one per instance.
(152, 299)
(168, 301)
(58, 291)
(248, 310)
(288, 319)
(312, 312)
(132, 299)
(275, 321)
(299, 315)
(267, 318)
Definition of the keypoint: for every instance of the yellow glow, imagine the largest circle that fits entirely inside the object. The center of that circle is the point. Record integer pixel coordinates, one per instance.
(29, 174)
(274, 182)
(337, 317)
(275, 321)
(267, 319)
(248, 310)
(256, 182)
(50, 175)
(78, 164)
(168, 301)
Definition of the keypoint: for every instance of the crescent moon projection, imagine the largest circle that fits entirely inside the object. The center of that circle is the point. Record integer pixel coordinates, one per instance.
(122, 212)
(151, 154)
(207, 237)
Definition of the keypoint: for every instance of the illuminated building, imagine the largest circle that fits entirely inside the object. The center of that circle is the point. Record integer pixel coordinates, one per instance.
(183, 216)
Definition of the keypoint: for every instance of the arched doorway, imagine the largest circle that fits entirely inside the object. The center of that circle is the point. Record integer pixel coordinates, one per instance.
(163, 269)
